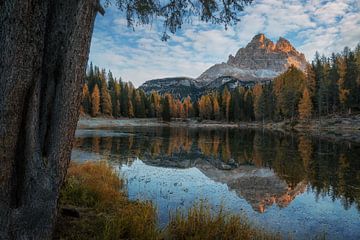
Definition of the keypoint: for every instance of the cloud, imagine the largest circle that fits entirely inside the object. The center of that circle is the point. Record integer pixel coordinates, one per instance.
(140, 55)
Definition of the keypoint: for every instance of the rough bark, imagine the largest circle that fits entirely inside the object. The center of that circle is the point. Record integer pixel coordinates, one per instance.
(44, 47)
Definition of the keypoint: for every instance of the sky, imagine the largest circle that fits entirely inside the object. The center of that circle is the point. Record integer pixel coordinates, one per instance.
(138, 54)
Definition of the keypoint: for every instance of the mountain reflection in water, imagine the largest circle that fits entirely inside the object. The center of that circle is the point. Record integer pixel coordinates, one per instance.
(264, 168)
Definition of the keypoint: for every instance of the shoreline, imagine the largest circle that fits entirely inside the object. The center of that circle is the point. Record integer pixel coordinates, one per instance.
(336, 128)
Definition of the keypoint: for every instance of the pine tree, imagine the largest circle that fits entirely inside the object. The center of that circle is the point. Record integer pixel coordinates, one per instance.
(187, 107)
(319, 93)
(111, 81)
(248, 105)
(115, 99)
(117, 108)
(350, 80)
(235, 103)
(90, 78)
(139, 106)
(343, 91)
(130, 109)
(305, 105)
(333, 96)
(205, 107)
(181, 110)
(269, 102)
(126, 98)
(259, 102)
(166, 108)
(310, 79)
(357, 56)
(95, 101)
(86, 100)
(105, 99)
(216, 107)
(226, 98)
(155, 102)
(288, 88)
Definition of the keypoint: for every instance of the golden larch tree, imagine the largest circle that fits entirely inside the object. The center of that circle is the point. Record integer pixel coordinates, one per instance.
(226, 97)
(187, 106)
(95, 101)
(216, 107)
(305, 105)
(258, 104)
(343, 92)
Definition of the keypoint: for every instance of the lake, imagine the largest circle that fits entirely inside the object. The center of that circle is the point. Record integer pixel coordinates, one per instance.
(296, 185)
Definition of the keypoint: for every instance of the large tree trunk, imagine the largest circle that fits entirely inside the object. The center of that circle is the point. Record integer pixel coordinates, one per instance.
(44, 47)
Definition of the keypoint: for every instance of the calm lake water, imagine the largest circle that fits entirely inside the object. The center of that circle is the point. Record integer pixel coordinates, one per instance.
(295, 185)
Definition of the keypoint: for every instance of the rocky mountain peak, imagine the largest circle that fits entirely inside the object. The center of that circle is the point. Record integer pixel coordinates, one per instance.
(284, 45)
(259, 62)
(262, 53)
(260, 41)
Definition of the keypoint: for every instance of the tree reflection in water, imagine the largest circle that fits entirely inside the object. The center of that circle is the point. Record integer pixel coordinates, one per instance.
(263, 167)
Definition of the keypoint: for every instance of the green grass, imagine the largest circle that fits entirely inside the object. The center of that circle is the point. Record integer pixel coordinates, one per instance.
(94, 190)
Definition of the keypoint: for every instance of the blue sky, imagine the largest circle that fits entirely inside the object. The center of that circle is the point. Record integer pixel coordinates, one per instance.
(140, 55)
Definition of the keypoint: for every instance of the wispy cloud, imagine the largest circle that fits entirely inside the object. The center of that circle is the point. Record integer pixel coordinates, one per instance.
(140, 55)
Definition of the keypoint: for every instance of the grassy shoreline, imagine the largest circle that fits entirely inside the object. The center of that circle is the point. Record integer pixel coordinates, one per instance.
(338, 128)
(93, 206)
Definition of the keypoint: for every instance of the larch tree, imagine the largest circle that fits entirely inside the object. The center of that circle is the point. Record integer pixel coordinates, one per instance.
(288, 88)
(166, 107)
(105, 99)
(130, 109)
(115, 99)
(226, 98)
(187, 107)
(351, 81)
(259, 103)
(181, 110)
(343, 91)
(205, 107)
(333, 95)
(125, 97)
(310, 79)
(216, 107)
(236, 104)
(95, 101)
(86, 99)
(44, 48)
(248, 105)
(305, 105)
(139, 106)
(155, 99)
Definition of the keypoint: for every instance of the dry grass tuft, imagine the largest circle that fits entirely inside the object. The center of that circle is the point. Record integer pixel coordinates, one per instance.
(94, 190)
(91, 185)
(200, 223)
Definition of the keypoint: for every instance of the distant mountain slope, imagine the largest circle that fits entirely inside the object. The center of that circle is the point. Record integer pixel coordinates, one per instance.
(178, 86)
(260, 61)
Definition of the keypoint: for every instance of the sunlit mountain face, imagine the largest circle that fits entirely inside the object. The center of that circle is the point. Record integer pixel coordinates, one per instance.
(259, 62)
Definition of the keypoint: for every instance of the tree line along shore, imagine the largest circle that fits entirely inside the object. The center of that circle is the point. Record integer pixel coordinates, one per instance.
(329, 86)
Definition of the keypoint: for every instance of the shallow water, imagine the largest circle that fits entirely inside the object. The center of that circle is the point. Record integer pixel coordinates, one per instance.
(301, 187)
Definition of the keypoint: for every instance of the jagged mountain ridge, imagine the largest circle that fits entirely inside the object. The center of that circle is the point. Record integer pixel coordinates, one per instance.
(179, 87)
(259, 62)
